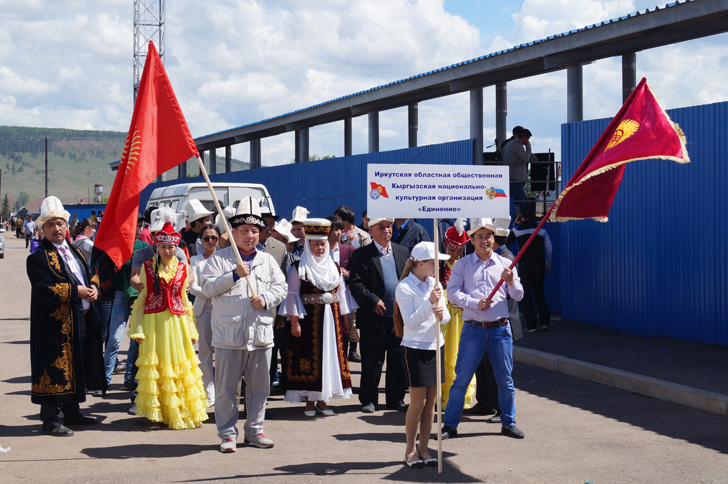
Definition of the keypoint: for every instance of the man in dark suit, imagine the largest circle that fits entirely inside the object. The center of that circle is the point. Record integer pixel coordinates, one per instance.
(375, 272)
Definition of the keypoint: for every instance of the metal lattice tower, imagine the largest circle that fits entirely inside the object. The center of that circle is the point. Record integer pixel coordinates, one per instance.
(149, 18)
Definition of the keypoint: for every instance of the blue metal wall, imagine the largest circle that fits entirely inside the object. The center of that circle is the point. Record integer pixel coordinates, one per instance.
(324, 185)
(658, 267)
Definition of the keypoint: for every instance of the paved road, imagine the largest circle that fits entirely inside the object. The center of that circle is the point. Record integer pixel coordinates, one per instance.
(576, 432)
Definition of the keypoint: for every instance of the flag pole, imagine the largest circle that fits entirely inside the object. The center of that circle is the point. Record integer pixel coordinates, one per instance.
(222, 217)
(522, 250)
(438, 353)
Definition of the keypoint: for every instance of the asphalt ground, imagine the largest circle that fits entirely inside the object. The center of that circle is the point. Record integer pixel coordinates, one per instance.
(577, 431)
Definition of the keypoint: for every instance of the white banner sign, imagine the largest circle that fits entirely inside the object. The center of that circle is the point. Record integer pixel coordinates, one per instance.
(437, 191)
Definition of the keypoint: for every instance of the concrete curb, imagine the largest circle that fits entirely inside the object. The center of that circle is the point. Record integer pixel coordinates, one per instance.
(652, 387)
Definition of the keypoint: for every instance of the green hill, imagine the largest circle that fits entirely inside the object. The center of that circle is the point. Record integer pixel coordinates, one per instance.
(77, 160)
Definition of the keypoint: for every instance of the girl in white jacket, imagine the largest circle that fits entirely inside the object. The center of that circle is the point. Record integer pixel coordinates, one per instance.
(419, 310)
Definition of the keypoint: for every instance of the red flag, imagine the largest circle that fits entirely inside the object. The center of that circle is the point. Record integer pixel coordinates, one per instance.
(158, 140)
(382, 190)
(640, 130)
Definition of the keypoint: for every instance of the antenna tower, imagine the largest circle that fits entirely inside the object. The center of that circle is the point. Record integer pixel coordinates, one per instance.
(149, 18)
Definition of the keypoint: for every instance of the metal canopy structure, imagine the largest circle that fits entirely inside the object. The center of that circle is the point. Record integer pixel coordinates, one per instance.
(674, 23)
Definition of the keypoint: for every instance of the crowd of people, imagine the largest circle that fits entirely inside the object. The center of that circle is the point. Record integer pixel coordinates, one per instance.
(218, 309)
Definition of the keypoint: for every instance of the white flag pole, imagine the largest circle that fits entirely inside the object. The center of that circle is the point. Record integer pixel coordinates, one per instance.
(224, 220)
(438, 354)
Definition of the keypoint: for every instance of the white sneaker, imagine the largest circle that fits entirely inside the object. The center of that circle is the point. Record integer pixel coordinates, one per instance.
(132, 410)
(259, 440)
(228, 445)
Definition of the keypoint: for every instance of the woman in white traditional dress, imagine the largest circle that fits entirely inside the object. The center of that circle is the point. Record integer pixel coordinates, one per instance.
(316, 368)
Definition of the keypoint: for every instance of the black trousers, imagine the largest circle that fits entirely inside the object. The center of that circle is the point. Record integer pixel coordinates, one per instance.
(377, 346)
(280, 342)
(486, 389)
(52, 415)
(532, 276)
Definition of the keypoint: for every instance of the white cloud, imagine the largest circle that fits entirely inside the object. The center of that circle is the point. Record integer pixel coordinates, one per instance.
(14, 83)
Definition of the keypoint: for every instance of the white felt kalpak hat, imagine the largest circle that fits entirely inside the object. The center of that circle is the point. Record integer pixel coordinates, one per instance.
(265, 209)
(227, 212)
(481, 223)
(194, 210)
(51, 208)
(501, 226)
(300, 214)
(426, 251)
(283, 227)
(248, 213)
(375, 221)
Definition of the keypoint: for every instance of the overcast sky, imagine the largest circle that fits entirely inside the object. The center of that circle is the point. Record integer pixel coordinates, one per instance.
(69, 64)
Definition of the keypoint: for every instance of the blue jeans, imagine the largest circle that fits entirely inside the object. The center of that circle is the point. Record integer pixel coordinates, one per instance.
(120, 312)
(474, 341)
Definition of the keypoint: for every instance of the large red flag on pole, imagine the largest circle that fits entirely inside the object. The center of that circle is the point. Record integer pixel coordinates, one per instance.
(641, 130)
(158, 140)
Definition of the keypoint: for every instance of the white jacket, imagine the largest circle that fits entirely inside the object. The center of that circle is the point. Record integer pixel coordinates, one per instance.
(198, 263)
(420, 322)
(235, 323)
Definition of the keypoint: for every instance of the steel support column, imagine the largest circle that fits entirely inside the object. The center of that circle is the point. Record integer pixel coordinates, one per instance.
(574, 93)
(255, 153)
(228, 159)
(501, 113)
(182, 170)
(476, 124)
(374, 132)
(413, 122)
(629, 74)
(213, 162)
(347, 137)
(302, 135)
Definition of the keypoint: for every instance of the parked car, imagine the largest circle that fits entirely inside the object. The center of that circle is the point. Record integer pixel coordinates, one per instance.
(2, 247)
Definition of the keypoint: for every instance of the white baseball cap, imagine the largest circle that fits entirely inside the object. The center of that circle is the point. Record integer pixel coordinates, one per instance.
(426, 251)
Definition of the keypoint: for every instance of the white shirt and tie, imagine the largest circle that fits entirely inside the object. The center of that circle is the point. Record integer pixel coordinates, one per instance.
(75, 267)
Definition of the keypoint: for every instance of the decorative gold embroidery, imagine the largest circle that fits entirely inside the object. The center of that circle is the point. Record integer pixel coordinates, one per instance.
(44, 386)
(63, 291)
(95, 279)
(305, 364)
(53, 260)
(65, 364)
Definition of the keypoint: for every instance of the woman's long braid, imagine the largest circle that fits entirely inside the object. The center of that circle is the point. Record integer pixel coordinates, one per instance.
(156, 274)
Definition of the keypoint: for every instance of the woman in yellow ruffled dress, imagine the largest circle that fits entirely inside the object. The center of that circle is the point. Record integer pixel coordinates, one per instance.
(170, 389)
(454, 242)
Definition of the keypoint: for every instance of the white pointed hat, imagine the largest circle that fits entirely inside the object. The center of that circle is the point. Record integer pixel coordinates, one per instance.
(502, 226)
(300, 214)
(283, 227)
(248, 213)
(227, 212)
(51, 208)
(481, 223)
(265, 208)
(194, 210)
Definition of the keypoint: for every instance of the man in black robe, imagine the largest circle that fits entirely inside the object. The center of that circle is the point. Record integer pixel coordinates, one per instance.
(65, 346)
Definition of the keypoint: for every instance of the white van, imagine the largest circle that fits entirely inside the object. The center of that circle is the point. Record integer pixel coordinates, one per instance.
(176, 196)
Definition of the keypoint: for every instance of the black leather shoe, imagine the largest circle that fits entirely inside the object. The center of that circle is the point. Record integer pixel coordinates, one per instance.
(494, 419)
(479, 409)
(448, 432)
(354, 356)
(400, 406)
(512, 431)
(80, 420)
(368, 408)
(58, 431)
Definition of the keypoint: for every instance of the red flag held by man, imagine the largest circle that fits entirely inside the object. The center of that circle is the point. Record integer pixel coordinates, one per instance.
(640, 130)
(158, 140)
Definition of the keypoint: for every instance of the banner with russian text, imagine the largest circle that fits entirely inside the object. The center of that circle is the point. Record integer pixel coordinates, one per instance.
(437, 191)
